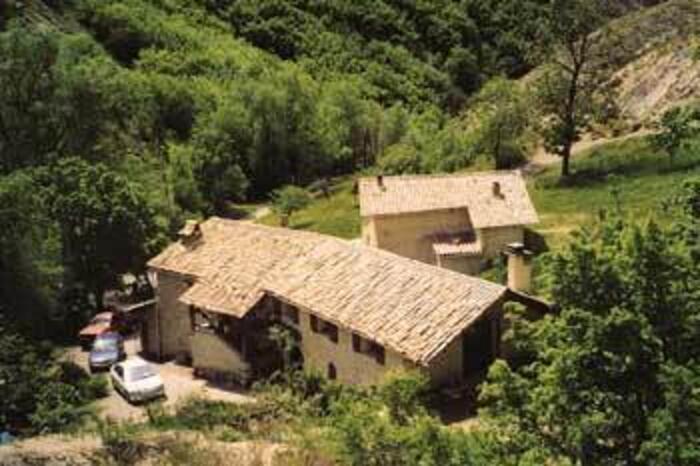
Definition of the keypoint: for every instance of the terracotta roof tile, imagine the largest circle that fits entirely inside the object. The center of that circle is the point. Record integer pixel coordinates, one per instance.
(489, 205)
(410, 307)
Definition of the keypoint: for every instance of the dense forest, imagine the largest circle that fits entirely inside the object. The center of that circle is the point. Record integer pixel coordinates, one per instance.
(134, 115)
(119, 120)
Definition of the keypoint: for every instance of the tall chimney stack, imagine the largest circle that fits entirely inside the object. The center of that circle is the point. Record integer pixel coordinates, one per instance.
(380, 181)
(519, 267)
(496, 187)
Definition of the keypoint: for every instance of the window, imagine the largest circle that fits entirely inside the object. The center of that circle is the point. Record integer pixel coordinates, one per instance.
(356, 343)
(378, 352)
(370, 348)
(332, 373)
(321, 326)
(331, 331)
(203, 322)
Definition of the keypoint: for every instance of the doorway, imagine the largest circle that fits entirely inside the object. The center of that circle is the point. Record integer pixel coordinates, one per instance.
(478, 347)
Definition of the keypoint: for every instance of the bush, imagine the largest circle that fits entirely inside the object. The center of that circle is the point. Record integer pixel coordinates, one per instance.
(120, 443)
(510, 156)
(399, 159)
(405, 395)
(59, 407)
(38, 394)
(202, 415)
(289, 199)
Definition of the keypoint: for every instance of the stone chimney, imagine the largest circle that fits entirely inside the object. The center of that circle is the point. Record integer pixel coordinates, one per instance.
(519, 267)
(496, 188)
(380, 181)
(191, 232)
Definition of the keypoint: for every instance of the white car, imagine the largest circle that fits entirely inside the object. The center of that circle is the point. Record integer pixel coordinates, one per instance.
(136, 380)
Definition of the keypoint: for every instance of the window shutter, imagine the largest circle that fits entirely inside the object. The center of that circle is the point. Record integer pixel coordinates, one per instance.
(380, 356)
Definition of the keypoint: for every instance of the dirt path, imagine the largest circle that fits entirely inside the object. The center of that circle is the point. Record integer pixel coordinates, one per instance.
(261, 212)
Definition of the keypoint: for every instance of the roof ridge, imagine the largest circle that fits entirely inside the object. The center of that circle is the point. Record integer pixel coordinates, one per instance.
(515, 171)
(358, 246)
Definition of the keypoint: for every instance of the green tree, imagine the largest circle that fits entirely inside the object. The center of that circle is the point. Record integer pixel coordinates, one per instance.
(569, 85)
(106, 224)
(602, 383)
(678, 126)
(289, 199)
(32, 116)
(503, 115)
(30, 261)
(399, 159)
(39, 394)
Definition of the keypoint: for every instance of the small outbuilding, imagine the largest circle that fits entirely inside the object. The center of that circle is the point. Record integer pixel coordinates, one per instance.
(459, 222)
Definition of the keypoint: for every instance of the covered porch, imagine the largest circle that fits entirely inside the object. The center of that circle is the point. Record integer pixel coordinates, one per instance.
(230, 349)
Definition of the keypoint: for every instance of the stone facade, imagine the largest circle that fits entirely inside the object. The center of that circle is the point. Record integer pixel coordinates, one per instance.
(167, 327)
(319, 351)
(411, 235)
(211, 352)
(495, 240)
(350, 367)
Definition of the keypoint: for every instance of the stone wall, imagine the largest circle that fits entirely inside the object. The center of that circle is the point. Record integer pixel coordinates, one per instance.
(174, 317)
(494, 240)
(351, 367)
(409, 235)
(468, 265)
(210, 352)
(446, 368)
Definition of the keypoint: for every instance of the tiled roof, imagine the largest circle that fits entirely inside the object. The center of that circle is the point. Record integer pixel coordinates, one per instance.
(410, 307)
(493, 199)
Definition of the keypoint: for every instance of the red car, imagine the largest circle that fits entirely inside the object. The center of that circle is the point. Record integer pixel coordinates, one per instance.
(99, 324)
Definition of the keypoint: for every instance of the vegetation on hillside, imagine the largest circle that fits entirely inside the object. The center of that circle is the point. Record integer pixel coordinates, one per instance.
(120, 119)
(612, 379)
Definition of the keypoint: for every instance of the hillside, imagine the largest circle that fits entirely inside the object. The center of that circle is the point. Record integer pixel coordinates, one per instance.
(123, 120)
(655, 59)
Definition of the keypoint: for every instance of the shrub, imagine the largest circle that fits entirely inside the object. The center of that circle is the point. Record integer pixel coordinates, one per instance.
(120, 443)
(59, 407)
(399, 159)
(405, 395)
(37, 394)
(289, 199)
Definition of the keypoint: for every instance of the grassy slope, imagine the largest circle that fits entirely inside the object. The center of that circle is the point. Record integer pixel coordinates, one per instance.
(628, 174)
(339, 215)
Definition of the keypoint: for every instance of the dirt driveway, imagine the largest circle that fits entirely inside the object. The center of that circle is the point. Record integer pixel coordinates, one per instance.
(179, 382)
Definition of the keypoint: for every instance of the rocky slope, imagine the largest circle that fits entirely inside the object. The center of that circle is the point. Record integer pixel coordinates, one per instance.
(654, 55)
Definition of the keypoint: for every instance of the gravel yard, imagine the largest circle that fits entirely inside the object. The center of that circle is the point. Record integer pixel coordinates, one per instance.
(179, 381)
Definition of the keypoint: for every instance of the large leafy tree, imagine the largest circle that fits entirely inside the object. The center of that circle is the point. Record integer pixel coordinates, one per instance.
(106, 224)
(501, 114)
(571, 82)
(32, 116)
(608, 381)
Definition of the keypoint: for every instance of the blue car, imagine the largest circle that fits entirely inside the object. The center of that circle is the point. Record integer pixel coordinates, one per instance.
(107, 349)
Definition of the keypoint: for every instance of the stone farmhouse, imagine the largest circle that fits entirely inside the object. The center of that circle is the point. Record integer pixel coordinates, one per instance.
(459, 222)
(354, 311)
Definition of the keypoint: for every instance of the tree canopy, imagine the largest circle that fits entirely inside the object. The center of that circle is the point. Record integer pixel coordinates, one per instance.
(608, 381)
